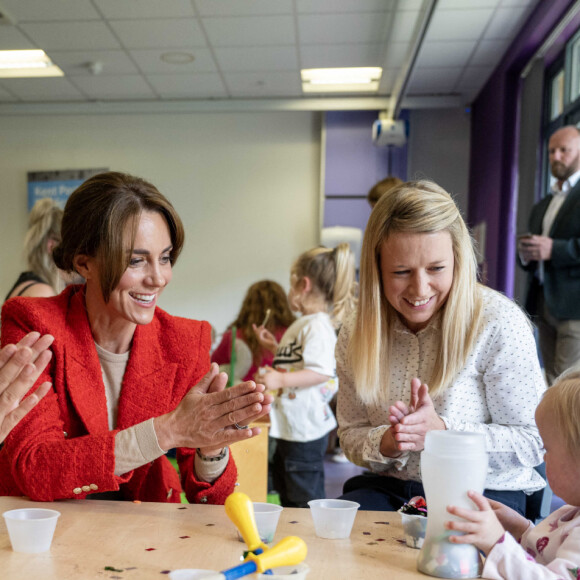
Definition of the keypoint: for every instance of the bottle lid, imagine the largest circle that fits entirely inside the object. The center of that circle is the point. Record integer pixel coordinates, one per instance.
(454, 443)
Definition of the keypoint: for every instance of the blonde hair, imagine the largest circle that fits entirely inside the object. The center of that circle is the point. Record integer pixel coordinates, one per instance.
(563, 401)
(413, 207)
(332, 274)
(44, 224)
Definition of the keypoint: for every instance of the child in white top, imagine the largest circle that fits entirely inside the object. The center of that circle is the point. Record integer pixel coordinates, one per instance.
(304, 372)
(552, 548)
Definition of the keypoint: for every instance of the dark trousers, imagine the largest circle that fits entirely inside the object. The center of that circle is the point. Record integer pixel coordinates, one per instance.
(387, 494)
(299, 471)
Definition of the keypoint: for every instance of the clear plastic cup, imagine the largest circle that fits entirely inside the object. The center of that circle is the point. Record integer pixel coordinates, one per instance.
(298, 572)
(31, 529)
(333, 518)
(267, 516)
(415, 527)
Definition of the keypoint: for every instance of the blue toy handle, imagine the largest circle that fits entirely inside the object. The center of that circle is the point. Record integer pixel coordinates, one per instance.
(240, 571)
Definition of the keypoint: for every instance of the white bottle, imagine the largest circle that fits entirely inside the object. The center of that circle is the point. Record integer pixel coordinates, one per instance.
(452, 463)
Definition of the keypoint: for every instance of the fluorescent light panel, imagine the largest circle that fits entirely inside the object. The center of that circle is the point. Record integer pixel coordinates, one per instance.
(336, 80)
(27, 63)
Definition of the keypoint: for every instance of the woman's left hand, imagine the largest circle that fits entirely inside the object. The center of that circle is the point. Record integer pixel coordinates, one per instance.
(410, 423)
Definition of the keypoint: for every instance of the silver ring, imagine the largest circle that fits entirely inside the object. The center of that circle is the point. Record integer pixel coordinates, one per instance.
(241, 426)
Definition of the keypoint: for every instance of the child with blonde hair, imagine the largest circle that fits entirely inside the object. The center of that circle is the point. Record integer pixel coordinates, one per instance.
(515, 548)
(322, 286)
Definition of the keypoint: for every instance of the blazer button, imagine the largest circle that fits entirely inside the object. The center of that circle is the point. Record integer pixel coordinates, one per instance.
(86, 488)
(77, 490)
(65, 433)
(203, 499)
(94, 486)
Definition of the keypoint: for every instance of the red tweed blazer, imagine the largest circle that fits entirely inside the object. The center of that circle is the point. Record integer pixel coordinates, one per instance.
(64, 446)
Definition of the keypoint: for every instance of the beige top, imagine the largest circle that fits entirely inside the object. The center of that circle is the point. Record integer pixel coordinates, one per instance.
(138, 445)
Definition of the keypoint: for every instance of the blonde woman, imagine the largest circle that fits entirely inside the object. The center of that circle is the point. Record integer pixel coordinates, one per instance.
(430, 348)
(43, 235)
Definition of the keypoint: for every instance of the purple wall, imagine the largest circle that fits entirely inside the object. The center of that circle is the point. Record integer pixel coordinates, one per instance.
(494, 129)
(353, 165)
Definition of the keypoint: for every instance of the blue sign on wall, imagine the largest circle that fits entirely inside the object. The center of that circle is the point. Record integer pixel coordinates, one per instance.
(58, 185)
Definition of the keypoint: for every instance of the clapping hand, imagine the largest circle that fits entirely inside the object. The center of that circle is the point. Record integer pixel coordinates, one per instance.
(20, 366)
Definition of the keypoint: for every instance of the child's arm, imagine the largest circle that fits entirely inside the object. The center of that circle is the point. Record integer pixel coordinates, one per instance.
(266, 339)
(273, 379)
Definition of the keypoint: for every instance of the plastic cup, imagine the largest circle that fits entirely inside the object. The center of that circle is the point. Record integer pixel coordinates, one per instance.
(298, 572)
(31, 529)
(267, 516)
(415, 527)
(333, 518)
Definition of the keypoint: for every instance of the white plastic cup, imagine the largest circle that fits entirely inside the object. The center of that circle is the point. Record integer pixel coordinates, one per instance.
(298, 572)
(267, 516)
(333, 518)
(31, 529)
(414, 527)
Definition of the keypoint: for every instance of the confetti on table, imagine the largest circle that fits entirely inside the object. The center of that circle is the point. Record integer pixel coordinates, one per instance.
(208, 525)
(401, 541)
(183, 537)
(385, 523)
(182, 508)
(294, 522)
(366, 533)
(372, 544)
(112, 569)
(131, 568)
(380, 539)
(149, 549)
(116, 577)
(165, 571)
(137, 501)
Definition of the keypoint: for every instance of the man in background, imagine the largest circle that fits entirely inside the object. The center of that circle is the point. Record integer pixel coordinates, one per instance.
(381, 187)
(550, 252)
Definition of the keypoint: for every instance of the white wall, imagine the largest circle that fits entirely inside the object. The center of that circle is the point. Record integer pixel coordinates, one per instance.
(439, 142)
(245, 184)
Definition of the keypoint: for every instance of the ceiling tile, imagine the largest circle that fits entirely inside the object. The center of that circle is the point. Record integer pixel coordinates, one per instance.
(440, 53)
(255, 59)
(341, 55)
(193, 86)
(43, 89)
(430, 80)
(75, 63)
(511, 3)
(458, 24)
(489, 52)
(117, 9)
(404, 26)
(258, 85)
(43, 10)
(246, 31)
(396, 54)
(474, 77)
(324, 6)
(343, 28)
(149, 61)
(89, 35)
(164, 33)
(505, 23)
(462, 4)
(12, 39)
(243, 7)
(114, 87)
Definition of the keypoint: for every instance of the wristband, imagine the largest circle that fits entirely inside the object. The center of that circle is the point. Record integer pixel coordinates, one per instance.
(219, 457)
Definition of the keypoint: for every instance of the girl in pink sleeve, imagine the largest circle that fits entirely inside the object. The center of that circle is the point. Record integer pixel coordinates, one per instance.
(515, 548)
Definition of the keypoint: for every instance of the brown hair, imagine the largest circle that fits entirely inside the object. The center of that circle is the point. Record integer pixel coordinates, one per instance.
(382, 187)
(332, 274)
(96, 217)
(260, 297)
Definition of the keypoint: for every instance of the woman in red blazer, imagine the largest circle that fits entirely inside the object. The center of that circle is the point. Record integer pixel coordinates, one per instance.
(123, 371)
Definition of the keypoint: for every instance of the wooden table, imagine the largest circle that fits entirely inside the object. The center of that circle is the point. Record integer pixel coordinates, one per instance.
(144, 540)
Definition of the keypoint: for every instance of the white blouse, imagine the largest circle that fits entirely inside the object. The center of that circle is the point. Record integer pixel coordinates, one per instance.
(496, 394)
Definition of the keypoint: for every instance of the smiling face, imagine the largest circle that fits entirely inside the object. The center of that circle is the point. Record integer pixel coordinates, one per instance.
(562, 468)
(417, 274)
(134, 298)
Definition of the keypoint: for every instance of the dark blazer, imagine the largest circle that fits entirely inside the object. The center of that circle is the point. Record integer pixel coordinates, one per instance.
(562, 272)
(63, 448)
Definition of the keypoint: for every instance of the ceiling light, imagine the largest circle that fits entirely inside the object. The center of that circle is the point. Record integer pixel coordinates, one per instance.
(177, 57)
(27, 63)
(335, 80)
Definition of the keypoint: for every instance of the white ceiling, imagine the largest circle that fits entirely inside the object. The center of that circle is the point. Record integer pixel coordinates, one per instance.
(253, 49)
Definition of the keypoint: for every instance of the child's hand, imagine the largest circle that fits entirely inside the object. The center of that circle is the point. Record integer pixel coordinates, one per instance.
(266, 339)
(510, 519)
(482, 528)
(270, 378)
